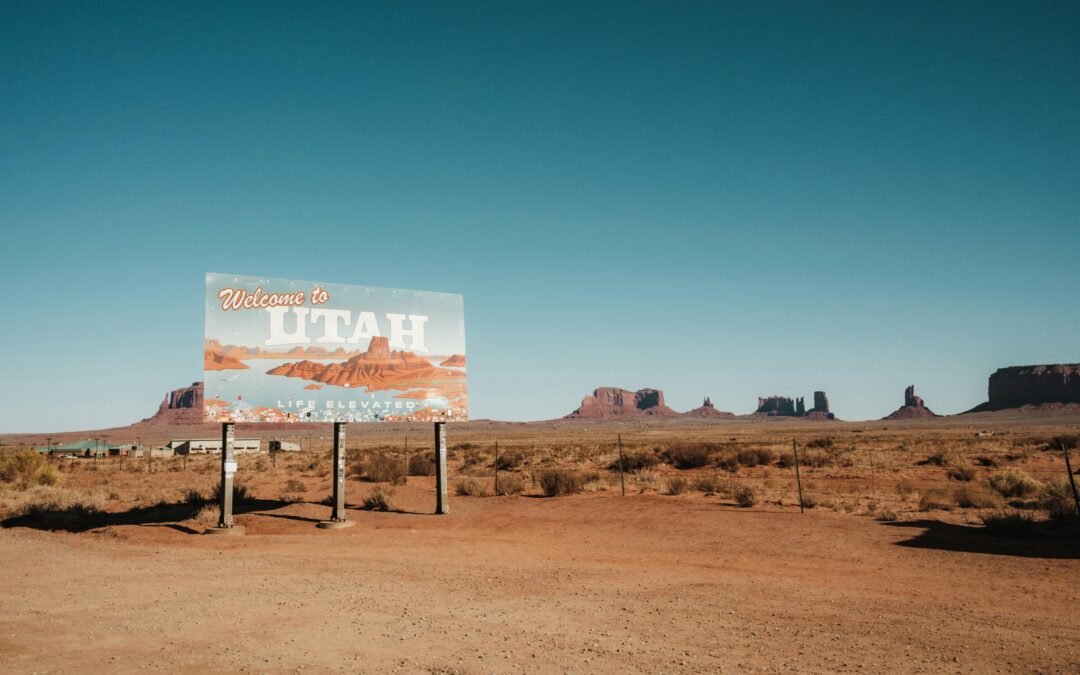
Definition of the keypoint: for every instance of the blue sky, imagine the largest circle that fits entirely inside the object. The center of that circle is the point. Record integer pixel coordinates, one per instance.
(731, 200)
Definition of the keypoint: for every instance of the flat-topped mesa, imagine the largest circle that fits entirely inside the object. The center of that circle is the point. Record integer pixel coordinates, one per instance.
(914, 407)
(1019, 386)
(608, 402)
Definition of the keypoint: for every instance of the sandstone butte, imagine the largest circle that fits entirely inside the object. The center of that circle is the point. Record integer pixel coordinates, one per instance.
(614, 402)
(914, 407)
(1044, 385)
(378, 369)
(707, 410)
(455, 361)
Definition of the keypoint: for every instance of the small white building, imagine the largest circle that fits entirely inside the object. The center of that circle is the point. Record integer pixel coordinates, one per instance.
(198, 446)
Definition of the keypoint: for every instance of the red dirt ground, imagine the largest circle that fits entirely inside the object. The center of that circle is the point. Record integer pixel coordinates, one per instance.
(586, 583)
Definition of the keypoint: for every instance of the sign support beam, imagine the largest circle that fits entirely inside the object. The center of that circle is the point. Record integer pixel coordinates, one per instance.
(442, 501)
(337, 515)
(226, 524)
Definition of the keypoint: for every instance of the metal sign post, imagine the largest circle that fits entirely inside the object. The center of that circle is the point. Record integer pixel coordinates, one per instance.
(337, 515)
(228, 470)
(442, 502)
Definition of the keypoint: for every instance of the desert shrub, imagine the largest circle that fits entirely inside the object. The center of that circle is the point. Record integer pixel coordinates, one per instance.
(1056, 498)
(936, 458)
(241, 493)
(1010, 523)
(647, 479)
(510, 484)
(809, 501)
(820, 443)
(27, 468)
(470, 487)
(728, 461)
(260, 464)
(509, 459)
(556, 482)
(295, 486)
(207, 516)
(1068, 442)
(194, 497)
(689, 455)
(1013, 483)
(755, 456)
(987, 461)
(905, 488)
(886, 515)
(678, 485)
(383, 468)
(936, 498)
(786, 460)
(745, 496)
(380, 499)
(55, 508)
(816, 457)
(714, 485)
(635, 461)
(961, 472)
(422, 464)
(976, 498)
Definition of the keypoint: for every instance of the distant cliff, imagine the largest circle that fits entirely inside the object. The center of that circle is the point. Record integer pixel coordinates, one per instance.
(1019, 386)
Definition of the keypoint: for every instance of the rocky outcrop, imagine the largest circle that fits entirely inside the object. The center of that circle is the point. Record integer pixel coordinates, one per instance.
(607, 402)
(1019, 386)
(707, 410)
(378, 369)
(914, 407)
(215, 359)
(180, 406)
(455, 361)
(776, 405)
(782, 406)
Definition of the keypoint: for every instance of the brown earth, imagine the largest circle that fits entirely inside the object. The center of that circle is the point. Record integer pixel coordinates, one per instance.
(643, 583)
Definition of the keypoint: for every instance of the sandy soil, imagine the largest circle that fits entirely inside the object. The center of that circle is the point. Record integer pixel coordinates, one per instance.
(593, 582)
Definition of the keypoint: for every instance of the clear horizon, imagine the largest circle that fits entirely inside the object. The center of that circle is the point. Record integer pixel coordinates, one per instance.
(733, 202)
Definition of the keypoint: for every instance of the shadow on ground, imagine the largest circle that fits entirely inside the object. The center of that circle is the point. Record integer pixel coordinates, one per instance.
(79, 519)
(1050, 542)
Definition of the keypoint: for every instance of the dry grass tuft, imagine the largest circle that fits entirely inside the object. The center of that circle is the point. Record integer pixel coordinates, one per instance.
(380, 499)
(1013, 483)
(510, 484)
(28, 468)
(558, 482)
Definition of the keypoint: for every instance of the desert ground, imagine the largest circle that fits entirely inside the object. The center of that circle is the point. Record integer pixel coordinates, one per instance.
(893, 566)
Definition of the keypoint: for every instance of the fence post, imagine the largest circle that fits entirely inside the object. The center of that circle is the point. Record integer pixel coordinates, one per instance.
(622, 475)
(1072, 481)
(798, 479)
(496, 468)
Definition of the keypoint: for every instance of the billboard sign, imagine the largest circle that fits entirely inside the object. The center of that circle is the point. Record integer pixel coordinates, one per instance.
(280, 350)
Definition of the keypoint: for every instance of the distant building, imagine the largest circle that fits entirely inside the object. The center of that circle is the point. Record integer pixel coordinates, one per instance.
(86, 448)
(284, 446)
(196, 446)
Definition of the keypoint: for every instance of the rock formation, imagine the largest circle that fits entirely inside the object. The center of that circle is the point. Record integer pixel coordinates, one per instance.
(914, 407)
(707, 410)
(782, 406)
(213, 359)
(378, 369)
(1032, 385)
(180, 406)
(776, 405)
(455, 361)
(608, 402)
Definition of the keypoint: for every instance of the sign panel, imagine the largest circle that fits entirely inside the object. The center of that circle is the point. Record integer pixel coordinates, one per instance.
(280, 350)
